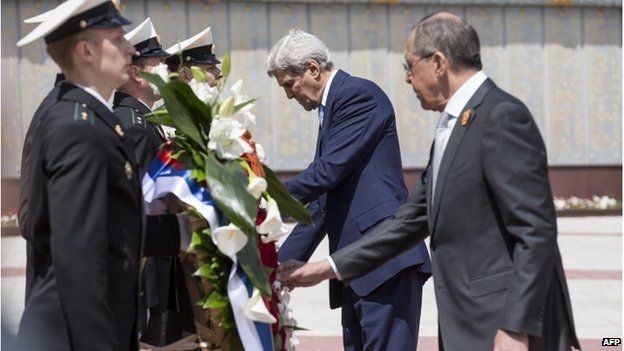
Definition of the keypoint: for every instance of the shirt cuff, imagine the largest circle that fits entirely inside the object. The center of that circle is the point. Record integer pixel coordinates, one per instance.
(185, 232)
(333, 266)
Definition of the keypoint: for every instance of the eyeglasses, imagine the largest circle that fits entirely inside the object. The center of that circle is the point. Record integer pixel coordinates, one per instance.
(407, 67)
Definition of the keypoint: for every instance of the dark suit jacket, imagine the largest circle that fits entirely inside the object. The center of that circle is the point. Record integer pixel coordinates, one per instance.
(355, 181)
(82, 202)
(496, 263)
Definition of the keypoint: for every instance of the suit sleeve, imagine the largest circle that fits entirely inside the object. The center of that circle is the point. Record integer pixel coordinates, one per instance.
(78, 190)
(304, 239)
(358, 124)
(162, 236)
(406, 229)
(516, 171)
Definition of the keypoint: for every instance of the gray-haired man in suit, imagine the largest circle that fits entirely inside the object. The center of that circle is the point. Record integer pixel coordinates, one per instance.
(484, 199)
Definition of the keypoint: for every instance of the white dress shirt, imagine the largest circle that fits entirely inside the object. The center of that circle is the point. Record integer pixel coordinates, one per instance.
(321, 108)
(97, 95)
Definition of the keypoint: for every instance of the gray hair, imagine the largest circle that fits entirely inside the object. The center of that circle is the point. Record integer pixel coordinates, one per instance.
(293, 52)
(450, 35)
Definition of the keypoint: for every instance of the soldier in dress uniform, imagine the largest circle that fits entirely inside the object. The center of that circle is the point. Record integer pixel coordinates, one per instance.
(166, 310)
(135, 98)
(47, 101)
(198, 50)
(81, 192)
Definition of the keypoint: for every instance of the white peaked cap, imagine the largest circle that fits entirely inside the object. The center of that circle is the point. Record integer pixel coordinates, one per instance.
(72, 16)
(200, 39)
(142, 32)
(42, 17)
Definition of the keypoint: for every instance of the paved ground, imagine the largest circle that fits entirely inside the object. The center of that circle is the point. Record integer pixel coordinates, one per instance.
(592, 255)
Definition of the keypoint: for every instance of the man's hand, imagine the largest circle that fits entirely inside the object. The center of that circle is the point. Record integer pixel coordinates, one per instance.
(296, 273)
(510, 341)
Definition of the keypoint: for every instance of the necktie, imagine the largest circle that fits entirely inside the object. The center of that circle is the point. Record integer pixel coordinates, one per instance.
(442, 135)
(321, 114)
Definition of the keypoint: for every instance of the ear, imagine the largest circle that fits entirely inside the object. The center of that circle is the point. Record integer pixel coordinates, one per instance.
(133, 73)
(185, 74)
(84, 51)
(315, 69)
(441, 63)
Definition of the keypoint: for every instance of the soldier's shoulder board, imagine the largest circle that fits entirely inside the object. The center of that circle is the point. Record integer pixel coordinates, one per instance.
(83, 113)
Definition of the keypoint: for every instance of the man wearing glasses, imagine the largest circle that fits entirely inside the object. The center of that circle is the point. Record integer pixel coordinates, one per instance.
(355, 181)
(484, 200)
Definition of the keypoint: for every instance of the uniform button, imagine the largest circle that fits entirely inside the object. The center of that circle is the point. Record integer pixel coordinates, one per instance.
(84, 116)
(119, 131)
(128, 170)
(84, 105)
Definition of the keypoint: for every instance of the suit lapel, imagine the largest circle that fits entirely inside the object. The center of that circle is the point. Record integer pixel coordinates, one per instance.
(453, 146)
(427, 179)
(334, 89)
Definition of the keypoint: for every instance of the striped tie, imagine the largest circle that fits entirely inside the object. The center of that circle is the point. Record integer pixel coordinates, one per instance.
(321, 114)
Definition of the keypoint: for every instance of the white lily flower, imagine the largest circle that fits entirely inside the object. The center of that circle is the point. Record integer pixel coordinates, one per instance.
(237, 87)
(226, 138)
(203, 91)
(229, 239)
(260, 152)
(227, 107)
(256, 187)
(256, 310)
(245, 118)
(239, 98)
(162, 70)
(272, 225)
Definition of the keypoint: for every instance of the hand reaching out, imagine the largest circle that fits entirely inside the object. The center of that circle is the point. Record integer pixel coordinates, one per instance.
(296, 273)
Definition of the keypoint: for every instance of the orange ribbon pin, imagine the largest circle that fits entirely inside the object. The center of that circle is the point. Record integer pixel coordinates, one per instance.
(465, 117)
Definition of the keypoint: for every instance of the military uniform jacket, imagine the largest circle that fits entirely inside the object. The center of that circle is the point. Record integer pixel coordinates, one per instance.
(163, 281)
(48, 101)
(147, 136)
(84, 225)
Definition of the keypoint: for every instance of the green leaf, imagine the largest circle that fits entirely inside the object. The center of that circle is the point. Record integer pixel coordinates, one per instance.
(228, 187)
(241, 105)
(160, 116)
(204, 271)
(198, 175)
(216, 300)
(198, 158)
(226, 66)
(249, 259)
(195, 241)
(287, 204)
(294, 327)
(185, 109)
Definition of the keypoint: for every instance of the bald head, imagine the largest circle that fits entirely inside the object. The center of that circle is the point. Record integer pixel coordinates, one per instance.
(449, 34)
